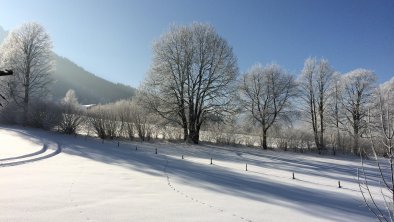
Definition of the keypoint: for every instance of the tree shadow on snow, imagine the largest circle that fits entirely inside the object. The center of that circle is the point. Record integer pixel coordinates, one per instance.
(217, 179)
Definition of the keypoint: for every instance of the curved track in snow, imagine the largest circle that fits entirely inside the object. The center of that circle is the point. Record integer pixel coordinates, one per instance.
(42, 154)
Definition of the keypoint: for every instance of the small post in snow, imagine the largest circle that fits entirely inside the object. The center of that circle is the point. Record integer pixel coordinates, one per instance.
(246, 167)
(293, 175)
(182, 157)
(211, 160)
(118, 143)
(156, 151)
(339, 184)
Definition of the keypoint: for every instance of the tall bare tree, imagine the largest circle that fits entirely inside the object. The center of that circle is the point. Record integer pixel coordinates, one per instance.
(27, 51)
(358, 89)
(315, 82)
(192, 77)
(266, 94)
(381, 131)
(335, 116)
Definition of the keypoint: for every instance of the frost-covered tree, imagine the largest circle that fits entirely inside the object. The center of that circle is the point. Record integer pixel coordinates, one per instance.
(381, 131)
(315, 82)
(192, 77)
(27, 51)
(358, 89)
(72, 115)
(70, 97)
(266, 94)
(335, 111)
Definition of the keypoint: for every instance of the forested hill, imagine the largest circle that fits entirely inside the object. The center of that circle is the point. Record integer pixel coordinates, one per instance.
(88, 87)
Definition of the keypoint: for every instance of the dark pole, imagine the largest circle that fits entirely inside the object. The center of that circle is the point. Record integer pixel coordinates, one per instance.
(6, 72)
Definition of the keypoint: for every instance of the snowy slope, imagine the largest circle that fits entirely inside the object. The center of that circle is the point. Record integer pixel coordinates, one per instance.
(91, 181)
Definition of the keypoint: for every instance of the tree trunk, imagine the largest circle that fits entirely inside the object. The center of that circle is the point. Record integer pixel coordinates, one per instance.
(317, 142)
(196, 137)
(321, 133)
(356, 149)
(337, 142)
(193, 136)
(321, 115)
(265, 139)
(184, 123)
(321, 142)
(185, 131)
(26, 98)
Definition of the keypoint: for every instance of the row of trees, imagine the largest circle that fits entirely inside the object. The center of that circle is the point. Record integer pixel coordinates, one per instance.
(336, 102)
(194, 83)
(194, 80)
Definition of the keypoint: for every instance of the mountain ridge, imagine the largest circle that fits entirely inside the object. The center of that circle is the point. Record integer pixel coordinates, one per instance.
(89, 88)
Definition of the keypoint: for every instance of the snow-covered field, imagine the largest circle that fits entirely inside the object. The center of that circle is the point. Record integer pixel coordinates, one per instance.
(56, 177)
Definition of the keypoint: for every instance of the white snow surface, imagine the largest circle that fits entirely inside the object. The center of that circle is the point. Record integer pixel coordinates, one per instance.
(94, 181)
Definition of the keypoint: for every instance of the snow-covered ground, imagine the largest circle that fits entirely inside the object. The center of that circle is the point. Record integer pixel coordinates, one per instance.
(56, 177)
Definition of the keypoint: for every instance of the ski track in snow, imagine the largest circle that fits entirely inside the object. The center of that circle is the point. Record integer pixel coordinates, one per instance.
(44, 148)
(30, 158)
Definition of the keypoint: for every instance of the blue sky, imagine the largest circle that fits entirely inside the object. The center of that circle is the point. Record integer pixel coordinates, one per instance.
(113, 38)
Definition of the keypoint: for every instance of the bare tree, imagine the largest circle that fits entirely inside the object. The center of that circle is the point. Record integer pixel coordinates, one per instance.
(335, 117)
(315, 82)
(358, 89)
(141, 122)
(124, 112)
(96, 119)
(381, 131)
(72, 115)
(266, 94)
(27, 51)
(126, 116)
(103, 119)
(192, 77)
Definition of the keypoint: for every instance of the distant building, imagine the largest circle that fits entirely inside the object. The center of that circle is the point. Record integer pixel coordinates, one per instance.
(87, 107)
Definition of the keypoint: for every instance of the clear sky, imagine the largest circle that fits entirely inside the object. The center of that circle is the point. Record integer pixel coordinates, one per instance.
(113, 38)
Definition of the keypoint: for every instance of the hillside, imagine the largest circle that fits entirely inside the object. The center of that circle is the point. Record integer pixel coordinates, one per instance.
(88, 87)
